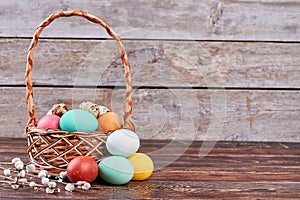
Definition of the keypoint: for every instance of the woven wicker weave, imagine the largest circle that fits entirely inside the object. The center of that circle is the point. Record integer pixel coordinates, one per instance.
(54, 149)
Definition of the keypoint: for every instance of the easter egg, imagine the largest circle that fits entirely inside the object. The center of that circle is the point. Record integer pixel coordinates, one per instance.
(78, 120)
(109, 121)
(143, 166)
(116, 170)
(93, 108)
(103, 110)
(82, 168)
(122, 142)
(49, 121)
(58, 109)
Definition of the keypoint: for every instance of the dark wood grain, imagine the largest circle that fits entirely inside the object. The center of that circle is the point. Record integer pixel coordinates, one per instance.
(232, 170)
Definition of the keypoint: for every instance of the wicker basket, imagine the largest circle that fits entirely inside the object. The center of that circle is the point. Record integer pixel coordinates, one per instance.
(54, 149)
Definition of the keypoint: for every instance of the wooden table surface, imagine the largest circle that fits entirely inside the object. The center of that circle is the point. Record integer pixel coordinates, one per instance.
(232, 170)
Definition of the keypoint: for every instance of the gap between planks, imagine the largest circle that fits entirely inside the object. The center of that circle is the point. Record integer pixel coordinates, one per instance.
(150, 87)
(155, 40)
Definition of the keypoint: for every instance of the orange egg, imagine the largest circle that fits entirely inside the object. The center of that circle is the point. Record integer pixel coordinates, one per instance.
(109, 121)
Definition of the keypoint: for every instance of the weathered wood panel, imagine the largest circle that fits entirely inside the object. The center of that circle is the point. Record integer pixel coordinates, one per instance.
(266, 20)
(154, 63)
(251, 115)
(232, 170)
(165, 52)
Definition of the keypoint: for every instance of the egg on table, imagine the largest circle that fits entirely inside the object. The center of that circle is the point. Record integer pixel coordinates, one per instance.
(123, 142)
(116, 170)
(82, 168)
(143, 166)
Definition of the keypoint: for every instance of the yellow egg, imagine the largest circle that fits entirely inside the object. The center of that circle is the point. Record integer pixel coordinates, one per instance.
(109, 121)
(143, 166)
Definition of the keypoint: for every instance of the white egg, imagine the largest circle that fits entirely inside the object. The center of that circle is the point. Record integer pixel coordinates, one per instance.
(123, 142)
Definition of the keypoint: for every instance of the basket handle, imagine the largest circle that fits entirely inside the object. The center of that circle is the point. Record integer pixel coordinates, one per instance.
(29, 91)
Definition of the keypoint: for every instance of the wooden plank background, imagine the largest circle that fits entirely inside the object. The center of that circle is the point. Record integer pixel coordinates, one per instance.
(276, 20)
(205, 70)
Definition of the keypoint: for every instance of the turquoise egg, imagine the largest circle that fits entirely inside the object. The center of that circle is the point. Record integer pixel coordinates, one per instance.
(116, 170)
(78, 120)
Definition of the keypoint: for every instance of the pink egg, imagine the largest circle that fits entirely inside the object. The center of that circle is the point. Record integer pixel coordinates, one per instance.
(49, 121)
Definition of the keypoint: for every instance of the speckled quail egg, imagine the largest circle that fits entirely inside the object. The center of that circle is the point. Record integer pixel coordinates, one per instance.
(93, 108)
(58, 109)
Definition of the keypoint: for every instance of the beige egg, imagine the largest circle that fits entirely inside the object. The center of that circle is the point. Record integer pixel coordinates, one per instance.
(58, 109)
